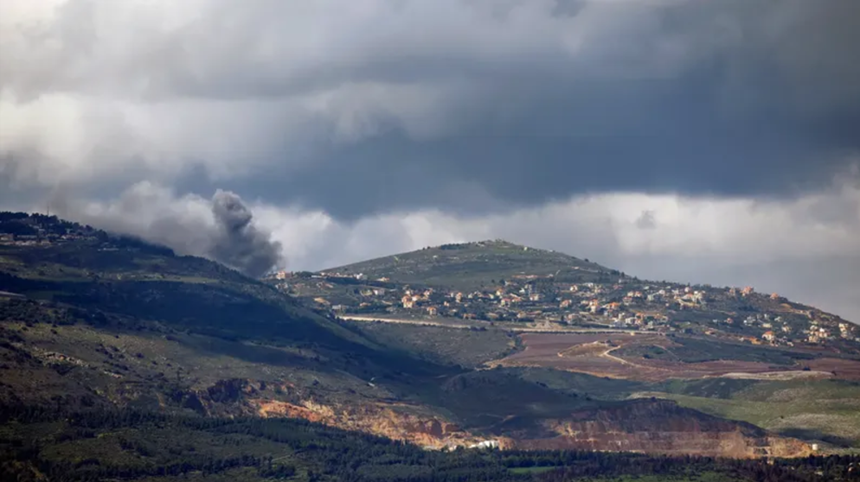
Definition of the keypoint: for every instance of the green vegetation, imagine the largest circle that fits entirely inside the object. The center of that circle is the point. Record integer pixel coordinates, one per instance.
(472, 265)
(705, 477)
(579, 383)
(648, 352)
(826, 412)
(468, 348)
(121, 360)
(152, 284)
(489, 399)
(723, 388)
(694, 350)
(531, 470)
(128, 445)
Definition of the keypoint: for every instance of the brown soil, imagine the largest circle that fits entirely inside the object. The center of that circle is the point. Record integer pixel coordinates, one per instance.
(595, 354)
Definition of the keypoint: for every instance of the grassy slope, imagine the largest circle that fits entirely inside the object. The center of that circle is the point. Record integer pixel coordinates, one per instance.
(706, 477)
(134, 325)
(143, 367)
(467, 348)
(824, 411)
(187, 291)
(471, 265)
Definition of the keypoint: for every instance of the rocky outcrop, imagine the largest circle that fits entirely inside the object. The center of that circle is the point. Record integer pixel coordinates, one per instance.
(378, 419)
(649, 426)
(660, 427)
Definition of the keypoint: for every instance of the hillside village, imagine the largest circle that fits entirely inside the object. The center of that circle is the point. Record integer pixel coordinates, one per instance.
(22, 229)
(588, 295)
(619, 302)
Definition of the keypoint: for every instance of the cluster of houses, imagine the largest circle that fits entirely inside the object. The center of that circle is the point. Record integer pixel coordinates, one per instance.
(39, 240)
(17, 229)
(626, 303)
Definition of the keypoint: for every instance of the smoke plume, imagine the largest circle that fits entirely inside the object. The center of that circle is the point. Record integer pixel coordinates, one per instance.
(221, 228)
(239, 243)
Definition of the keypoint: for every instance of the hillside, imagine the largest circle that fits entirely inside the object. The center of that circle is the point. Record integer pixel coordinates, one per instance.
(89, 318)
(497, 281)
(497, 304)
(97, 322)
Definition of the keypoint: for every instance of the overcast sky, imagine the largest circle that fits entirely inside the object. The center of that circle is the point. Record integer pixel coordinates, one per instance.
(704, 141)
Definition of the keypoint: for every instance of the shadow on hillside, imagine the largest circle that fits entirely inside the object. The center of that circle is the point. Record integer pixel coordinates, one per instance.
(812, 434)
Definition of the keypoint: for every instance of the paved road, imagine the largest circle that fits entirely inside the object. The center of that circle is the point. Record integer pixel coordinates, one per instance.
(460, 326)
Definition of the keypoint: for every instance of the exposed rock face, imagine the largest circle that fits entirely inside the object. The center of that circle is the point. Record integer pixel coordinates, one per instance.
(380, 420)
(660, 427)
(651, 426)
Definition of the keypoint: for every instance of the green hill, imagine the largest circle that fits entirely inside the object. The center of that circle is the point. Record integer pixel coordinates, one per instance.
(128, 278)
(84, 310)
(497, 281)
(472, 265)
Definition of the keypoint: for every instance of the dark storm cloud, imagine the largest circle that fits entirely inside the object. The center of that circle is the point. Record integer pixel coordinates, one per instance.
(479, 112)
(470, 106)
(728, 98)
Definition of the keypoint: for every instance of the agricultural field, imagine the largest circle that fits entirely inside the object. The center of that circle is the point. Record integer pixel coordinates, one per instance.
(656, 357)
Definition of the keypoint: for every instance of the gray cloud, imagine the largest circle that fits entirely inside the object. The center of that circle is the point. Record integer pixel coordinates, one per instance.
(356, 109)
(350, 113)
(783, 246)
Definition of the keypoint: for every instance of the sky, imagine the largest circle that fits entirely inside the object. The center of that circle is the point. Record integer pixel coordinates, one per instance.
(687, 140)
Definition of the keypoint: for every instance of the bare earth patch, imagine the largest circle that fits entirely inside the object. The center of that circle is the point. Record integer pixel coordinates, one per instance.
(600, 355)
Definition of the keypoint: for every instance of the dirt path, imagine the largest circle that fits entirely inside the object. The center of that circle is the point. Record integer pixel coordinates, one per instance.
(607, 354)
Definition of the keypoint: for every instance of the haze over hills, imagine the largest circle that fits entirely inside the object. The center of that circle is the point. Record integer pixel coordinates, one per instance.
(95, 322)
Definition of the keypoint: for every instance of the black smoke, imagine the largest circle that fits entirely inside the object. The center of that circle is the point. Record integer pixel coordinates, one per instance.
(238, 242)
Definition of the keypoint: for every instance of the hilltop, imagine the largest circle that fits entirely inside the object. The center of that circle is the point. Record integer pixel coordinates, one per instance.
(498, 281)
(469, 266)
